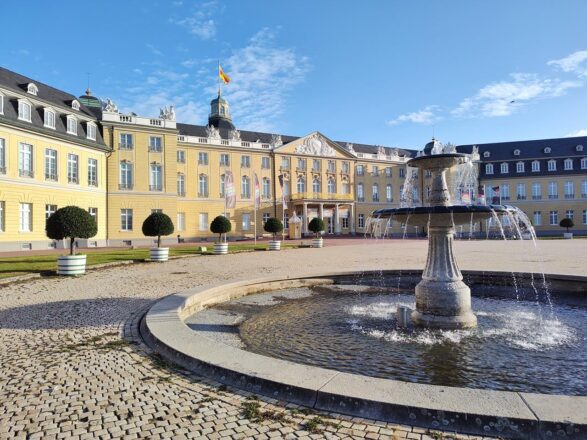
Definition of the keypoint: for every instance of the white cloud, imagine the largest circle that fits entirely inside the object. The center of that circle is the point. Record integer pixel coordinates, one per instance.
(426, 116)
(582, 132)
(262, 75)
(154, 50)
(574, 63)
(200, 23)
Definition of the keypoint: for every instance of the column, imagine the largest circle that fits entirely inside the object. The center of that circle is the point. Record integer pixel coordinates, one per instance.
(305, 222)
(352, 218)
(336, 220)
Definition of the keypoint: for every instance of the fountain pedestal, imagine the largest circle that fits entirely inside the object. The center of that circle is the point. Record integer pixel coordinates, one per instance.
(443, 300)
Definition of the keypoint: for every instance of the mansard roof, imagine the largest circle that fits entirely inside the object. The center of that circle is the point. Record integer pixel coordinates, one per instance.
(533, 149)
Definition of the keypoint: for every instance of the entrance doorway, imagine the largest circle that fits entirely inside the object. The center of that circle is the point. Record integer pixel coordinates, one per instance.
(329, 225)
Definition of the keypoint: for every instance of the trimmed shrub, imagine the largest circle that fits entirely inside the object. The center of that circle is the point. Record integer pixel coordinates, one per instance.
(274, 226)
(220, 225)
(316, 226)
(156, 225)
(566, 223)
(71, 222)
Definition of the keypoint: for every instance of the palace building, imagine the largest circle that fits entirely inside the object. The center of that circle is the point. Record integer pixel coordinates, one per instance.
(58, 150)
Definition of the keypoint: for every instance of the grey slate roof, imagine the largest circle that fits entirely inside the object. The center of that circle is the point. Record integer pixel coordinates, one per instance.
(534, 149)
(52, 97)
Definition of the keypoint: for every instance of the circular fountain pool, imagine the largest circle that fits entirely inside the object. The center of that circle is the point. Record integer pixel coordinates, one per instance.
(526, 344)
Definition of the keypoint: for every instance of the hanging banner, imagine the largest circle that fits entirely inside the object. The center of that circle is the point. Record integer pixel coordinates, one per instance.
(257, 193)
(280, 177)
(230, 195)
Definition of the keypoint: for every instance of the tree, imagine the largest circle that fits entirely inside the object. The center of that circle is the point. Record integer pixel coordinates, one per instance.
(156, 225)
(220, 225)
(316, 226)
(274, 226)
(566, 223)
(71, 222)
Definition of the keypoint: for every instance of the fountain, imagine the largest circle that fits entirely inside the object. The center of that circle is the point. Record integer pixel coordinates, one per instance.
(443, 300)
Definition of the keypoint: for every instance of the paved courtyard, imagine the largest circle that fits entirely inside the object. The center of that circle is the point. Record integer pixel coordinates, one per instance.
(72, 365)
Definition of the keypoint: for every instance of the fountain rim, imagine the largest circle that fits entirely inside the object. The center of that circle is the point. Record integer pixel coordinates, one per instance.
(441, 209)
(414, 162)
(478, 411)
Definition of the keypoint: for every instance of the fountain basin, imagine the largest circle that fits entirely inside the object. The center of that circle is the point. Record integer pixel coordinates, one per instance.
(452, 215)
(483, 412)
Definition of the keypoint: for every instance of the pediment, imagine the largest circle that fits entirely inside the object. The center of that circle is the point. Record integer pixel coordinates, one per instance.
(315, 144)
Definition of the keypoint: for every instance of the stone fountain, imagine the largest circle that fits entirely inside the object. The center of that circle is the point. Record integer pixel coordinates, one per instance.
(443, 300)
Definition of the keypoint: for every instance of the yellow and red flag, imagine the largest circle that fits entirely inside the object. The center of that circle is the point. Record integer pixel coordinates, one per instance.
(223, 76)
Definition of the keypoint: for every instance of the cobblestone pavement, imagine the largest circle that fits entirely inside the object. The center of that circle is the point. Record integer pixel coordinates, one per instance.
(72, 367)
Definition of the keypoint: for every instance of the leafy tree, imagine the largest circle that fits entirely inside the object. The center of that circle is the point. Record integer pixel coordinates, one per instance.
(566, 223)
(274, 226)
(316, 226)
(71, 222)
(156, 225)
(220, 225)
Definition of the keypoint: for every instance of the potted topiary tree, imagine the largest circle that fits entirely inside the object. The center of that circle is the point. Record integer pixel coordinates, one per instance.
(71, 222)
(317, 227)
(220, 225)
(274, 226)
(567, 223)
(156, 225)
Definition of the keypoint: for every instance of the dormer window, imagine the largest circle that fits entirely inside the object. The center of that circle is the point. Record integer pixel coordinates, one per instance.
(24, 110)
(49, 118)
(577, 148)
(91, 134)
(489, 168)
(568, 164)
(504, 168)
(71, 125)
(520, 167)
(535, 166)
(486, 154)
(75, 105)
(32, 89)
(552, 165)
(547, 150)
(1, 104)
(516, 152)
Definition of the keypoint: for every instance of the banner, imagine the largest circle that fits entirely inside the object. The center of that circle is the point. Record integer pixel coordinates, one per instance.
(229, 194)
(280, 177)
(257, 192)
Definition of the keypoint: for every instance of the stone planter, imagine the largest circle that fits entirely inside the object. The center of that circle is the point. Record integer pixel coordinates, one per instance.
(568, 235)
(274, 245)
(220, 248)
(71, 265)
(159, 254)
(317, 242)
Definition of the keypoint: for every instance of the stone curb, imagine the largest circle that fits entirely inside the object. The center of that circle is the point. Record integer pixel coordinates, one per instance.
(481, 412)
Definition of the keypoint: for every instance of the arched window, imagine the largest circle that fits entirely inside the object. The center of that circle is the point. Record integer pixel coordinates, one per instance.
(535, 166)
(203, 185)
(568, 164)
(245, 187)
(75, 105)
(552, 165)
(504, 168)
(489, 168)
(32, 89)
(316, 185)
(331, 186)
(301, 184)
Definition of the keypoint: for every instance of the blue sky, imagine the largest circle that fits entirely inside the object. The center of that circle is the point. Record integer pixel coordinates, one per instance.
(379, 72)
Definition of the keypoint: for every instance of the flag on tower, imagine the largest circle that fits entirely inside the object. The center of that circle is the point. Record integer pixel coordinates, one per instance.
(223, 76)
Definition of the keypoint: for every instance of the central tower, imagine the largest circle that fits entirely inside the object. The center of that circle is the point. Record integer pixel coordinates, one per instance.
(220, 113)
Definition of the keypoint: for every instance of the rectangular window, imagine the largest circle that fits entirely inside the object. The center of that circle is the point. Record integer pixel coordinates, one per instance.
(345, 222)
(331, 166)
(2, 156)
(92, 172)
(25, 160)
(2, 218)
(553, 218)
(126, 175)
(49, 118)
(388, 193)
(569, 190)
(584, 215)
(570, 214)
(155, 144)
(203, 221)
(202, 158)
(266, 217)
(49, 211)
(180, 156)
(156, 177)
(126, 219)
(1, 105)
(316, 165)
(375, 170)
(265, 163)
(72, 168)
(50, 164)
(266, 188)
(72, 125)
(387, 171)
(375, 191)
(301, 164)
(360, 192)
(245, 161)
(285, 162)
(584, 189)
(24, 111)
(536, 191)
(505, 191)
(584, 163)
(203, 185)
(224, 160)
(552, 190)
(26, 217)
(521, 190)
(345, 167)
(126, 141)
(361, 221)
(181, 221)
(181, 185)
(91, 131)
(402, 172)
(94, 213)
(360, 170)
(537, 218)
(246, 221)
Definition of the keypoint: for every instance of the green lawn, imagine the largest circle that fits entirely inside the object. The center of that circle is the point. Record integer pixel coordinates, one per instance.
(13, 266)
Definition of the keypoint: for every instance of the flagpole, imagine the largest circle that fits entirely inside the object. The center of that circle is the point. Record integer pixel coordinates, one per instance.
(219, 78)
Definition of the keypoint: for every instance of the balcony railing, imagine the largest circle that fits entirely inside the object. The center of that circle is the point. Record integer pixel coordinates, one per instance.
(124, 146)
(26, 173)
(521, 197)
(181, 193)
(569, 196)
(72, 179)
(553, 196)
(155, 188)
(92, 182)
(125, 186)
(536, 197)
(154, 149)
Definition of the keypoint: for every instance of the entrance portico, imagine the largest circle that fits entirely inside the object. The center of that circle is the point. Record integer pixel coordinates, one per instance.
(338, 215)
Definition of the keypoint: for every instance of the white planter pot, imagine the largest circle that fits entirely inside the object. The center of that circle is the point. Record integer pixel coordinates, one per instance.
(317, 242)
(274, 245)
(568, 235)
(220, 248)
(159, 254)
(71, 265)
